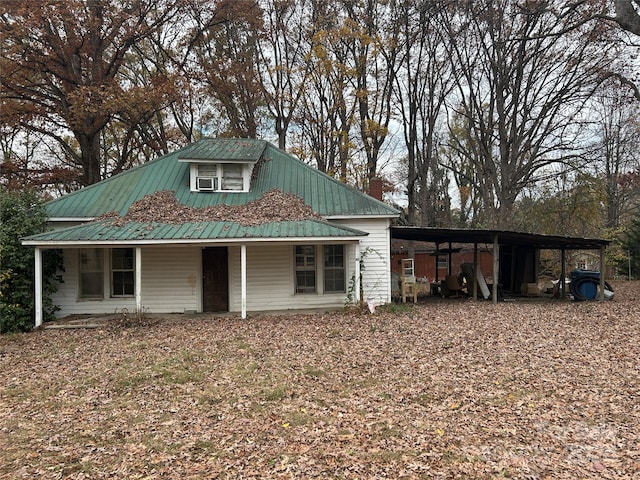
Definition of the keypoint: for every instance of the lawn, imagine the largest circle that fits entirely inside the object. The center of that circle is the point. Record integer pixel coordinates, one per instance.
(457, 389)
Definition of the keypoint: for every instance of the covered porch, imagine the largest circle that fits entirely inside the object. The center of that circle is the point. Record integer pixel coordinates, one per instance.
(172, 269)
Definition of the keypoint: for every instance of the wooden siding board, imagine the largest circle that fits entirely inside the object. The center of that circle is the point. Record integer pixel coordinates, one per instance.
(376, 277)
(171, 279)
(170, 284)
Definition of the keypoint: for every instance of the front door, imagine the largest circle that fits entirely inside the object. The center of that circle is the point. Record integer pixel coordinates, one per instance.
(215, 279)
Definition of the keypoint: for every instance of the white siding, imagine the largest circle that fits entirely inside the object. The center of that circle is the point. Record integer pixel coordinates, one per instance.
(170, 283)
(171, 279)
(270, 280)
(67, 295)
(376, 277)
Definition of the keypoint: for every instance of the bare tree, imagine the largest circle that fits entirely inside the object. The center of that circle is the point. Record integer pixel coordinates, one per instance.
(628, 15)
(616, 125)
(520, 89)
(285, 59)
(423, 83)
(327, 112)
(373, 47)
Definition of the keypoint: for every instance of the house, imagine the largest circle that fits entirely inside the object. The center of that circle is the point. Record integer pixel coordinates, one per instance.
(221, 225)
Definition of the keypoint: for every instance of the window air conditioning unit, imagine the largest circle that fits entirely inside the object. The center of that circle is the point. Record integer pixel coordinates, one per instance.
(207, 183)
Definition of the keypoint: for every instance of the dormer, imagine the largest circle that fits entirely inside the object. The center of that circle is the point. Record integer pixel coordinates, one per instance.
(223, 165)
(217, 176)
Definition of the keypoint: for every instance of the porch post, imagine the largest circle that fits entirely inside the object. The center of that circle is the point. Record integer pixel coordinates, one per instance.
(496, 268)
(38, 286)
(243, 280)
(356, 295)
(138, 281)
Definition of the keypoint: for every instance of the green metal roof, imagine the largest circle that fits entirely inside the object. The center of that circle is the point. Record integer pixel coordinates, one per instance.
(135, 232)
(276, 169)
(226, 149)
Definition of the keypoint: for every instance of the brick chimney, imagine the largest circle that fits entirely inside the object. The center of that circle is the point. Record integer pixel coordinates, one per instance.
(375, 188)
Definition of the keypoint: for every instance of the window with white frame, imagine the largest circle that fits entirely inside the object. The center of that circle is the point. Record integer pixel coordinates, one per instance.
(219, 176)
(305, 269)
(91, 273)
(232, 176)
(122, 272)
(207, 178)
(443, 261)
(334, 269)
(119, 263)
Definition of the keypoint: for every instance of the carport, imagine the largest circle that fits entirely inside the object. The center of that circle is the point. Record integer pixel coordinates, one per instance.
(515, 254)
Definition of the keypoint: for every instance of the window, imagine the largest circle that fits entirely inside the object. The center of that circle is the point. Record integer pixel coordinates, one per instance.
(232, 176)
(443, 261)
(91, 268)
(334, 274)
(305, 269)
(219, 176)
(122, 272)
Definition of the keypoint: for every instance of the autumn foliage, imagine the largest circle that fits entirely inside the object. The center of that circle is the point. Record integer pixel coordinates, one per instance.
(448, 389)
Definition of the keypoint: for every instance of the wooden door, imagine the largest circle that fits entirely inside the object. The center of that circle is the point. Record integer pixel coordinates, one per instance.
(215, 279)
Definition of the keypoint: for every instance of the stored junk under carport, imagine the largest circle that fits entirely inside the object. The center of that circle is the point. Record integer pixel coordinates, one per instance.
(516, 254)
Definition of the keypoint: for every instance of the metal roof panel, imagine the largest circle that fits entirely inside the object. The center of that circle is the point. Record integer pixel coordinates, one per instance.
(275, 169)
(101, 231)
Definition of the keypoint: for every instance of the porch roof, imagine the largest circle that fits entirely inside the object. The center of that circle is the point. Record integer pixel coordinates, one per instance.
(106, 233)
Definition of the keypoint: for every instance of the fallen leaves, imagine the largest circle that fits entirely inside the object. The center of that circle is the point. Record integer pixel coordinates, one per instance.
(163, 207)
(445, 390)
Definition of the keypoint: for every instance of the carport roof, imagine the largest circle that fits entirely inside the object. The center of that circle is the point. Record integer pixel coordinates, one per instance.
(505, 237)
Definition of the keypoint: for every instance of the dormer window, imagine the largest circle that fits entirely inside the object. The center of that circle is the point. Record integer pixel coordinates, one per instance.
(220, 176)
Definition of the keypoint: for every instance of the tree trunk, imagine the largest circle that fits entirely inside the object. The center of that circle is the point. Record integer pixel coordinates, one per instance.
(90, 148)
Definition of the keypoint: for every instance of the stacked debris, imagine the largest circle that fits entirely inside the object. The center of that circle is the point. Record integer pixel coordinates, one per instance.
(163, 207)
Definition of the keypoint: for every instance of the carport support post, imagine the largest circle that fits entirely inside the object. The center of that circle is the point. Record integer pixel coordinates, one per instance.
(138, 280)
(356, 294)
(243, 280)
(38, 286)
(475, 270)
(602, 271)
(563, 274)
(496, 268)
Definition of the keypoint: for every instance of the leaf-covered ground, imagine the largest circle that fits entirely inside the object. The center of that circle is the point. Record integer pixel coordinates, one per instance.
(455, 389)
